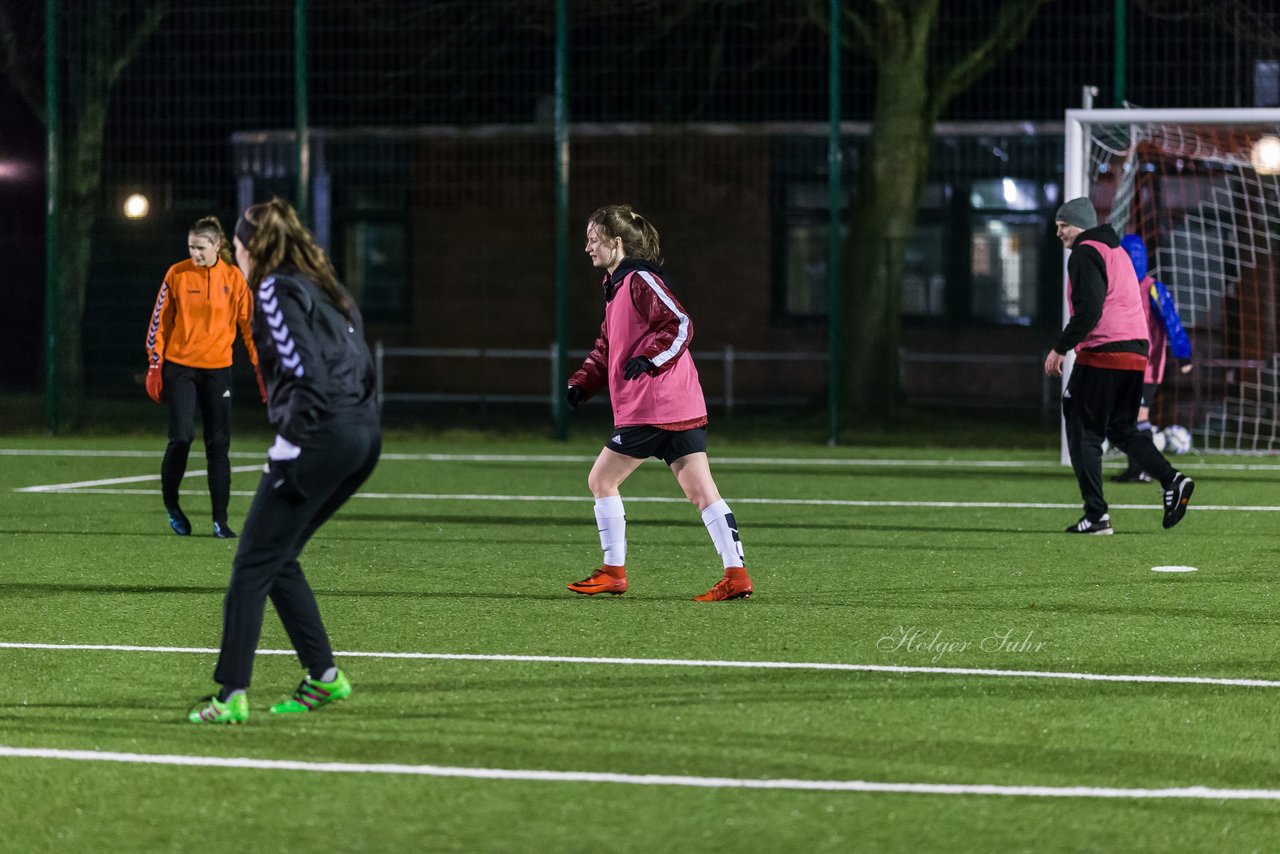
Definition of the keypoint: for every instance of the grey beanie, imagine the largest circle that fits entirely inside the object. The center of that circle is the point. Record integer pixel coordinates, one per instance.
(1078, 212)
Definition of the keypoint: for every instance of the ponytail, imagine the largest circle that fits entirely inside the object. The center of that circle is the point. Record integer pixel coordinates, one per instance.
(277, 238)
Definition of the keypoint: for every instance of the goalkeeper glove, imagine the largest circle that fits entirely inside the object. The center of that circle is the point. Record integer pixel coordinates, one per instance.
(637, 366)
(155, 381)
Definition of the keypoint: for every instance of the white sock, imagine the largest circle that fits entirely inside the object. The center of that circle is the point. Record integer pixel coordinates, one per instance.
(723, 529)
(329, 675)
(611, 520)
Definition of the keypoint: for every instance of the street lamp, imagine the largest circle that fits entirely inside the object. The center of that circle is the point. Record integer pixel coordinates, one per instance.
(136, 206)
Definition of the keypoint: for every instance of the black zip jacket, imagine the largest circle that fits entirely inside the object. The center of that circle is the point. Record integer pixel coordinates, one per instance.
(1088, 274)
(314, 361)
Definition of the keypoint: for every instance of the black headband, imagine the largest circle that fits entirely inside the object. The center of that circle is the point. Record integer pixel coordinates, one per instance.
(245, 230)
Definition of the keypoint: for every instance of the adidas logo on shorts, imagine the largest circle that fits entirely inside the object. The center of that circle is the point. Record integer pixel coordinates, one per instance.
(617, 440)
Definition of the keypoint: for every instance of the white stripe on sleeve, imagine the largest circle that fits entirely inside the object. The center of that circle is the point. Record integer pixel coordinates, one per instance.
(682, 335)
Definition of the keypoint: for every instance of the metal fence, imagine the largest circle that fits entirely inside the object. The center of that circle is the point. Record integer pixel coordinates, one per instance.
(805, 386)
(691, 109)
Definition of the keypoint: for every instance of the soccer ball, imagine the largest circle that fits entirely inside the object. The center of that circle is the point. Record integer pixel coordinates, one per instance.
(1176, 438)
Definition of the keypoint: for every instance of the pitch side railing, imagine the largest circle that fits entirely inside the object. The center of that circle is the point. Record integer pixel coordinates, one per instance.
(729, 358)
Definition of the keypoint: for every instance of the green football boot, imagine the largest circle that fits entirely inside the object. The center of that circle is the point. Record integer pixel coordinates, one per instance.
(313, 694)
(211, 710)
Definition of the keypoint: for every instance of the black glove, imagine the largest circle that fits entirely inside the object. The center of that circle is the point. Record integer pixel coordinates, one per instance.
(573, 396)
(637, 366)
(282, 476)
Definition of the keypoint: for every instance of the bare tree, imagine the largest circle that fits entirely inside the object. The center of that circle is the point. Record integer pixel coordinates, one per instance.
(896, 36)
(105, 39)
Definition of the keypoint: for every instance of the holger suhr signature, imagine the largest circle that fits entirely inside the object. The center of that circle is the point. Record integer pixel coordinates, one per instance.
(917, 640)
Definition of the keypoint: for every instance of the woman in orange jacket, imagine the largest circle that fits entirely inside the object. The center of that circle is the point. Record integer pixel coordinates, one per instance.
(193, 326)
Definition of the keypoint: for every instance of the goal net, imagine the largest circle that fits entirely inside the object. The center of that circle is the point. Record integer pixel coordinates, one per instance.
(1202, 190)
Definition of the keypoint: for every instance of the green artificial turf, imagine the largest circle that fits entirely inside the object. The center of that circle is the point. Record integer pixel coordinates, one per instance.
(945, 565)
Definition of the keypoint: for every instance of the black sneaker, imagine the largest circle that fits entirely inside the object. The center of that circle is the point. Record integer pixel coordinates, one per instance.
(1101, 527)
(1176, 498)
(1131, 476)
(223, 531)
(179, 522)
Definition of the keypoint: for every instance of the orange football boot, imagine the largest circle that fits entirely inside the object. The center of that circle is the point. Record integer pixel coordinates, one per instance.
(736, 584)
(606, 579)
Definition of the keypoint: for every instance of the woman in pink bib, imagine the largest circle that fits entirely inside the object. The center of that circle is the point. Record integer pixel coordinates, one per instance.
(642, 357)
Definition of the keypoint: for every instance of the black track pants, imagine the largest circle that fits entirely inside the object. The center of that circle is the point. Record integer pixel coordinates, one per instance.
(1101, 403)
(333, 465)
(184, 389)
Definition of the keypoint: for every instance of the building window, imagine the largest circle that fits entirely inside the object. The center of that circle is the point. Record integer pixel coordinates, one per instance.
(1004, 194)
(377, 267)
(807, 255)
(1006, 237)
(924, 276)
(976, 255)
(1004, 265)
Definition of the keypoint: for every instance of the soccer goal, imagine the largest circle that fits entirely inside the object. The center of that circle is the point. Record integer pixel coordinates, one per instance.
(1202, 190)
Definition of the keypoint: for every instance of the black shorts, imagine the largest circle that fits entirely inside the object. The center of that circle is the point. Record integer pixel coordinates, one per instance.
(667, 445)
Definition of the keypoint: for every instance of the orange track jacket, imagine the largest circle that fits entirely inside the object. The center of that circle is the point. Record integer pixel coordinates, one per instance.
(196, 314)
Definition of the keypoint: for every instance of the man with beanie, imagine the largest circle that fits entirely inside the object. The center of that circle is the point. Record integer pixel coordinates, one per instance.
(1108, 331)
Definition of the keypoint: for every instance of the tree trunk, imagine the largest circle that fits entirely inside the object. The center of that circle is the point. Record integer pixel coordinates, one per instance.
(75, 224)
(77, 216)
(111, 40)
(891, 177)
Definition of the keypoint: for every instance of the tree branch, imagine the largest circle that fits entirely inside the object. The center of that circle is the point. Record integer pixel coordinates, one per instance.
(926, 17)
(151, 21)
(782, 46)
(864, 35)
(856, 33)
(1011, 25)
(14, 65)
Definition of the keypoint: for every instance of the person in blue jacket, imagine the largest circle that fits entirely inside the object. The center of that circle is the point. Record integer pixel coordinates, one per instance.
(1164, 328)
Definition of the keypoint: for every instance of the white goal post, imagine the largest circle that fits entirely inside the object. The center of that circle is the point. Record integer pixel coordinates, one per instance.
(1202, 190)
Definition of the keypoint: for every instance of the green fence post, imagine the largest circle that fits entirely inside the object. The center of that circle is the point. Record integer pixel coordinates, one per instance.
(562, 215)
(302, 148)
(834, 246)
(1119, 55)
(52, 168)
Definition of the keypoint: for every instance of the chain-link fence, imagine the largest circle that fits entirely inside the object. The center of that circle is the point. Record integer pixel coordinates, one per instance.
(430, 168)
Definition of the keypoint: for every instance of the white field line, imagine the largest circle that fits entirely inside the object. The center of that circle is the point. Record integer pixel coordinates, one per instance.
(70, 489)
(1202, 793)
(692, 662)
(141, 478)
(586, 458)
